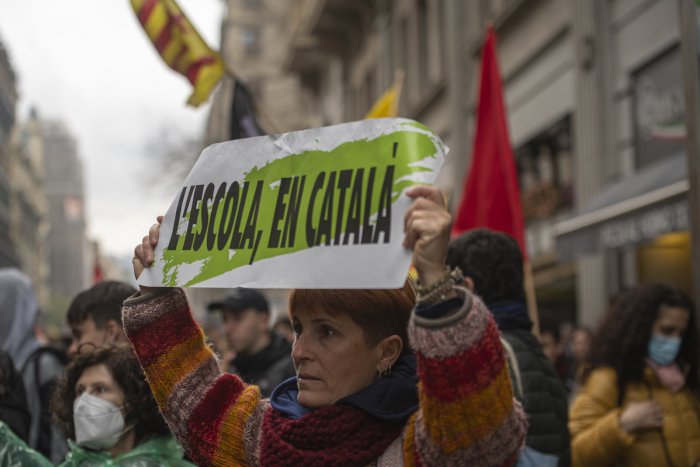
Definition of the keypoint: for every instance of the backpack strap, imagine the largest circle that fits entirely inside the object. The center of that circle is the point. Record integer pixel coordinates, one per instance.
(35, 358)
(512, 362)
(36, 380)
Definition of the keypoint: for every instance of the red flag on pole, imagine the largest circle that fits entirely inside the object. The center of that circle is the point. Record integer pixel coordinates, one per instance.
(491, 196)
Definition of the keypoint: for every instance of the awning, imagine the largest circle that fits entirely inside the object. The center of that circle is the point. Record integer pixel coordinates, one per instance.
(637, 209)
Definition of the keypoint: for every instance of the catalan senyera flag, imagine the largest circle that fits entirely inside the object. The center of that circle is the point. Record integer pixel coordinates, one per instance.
(180, 45)
(387, 106)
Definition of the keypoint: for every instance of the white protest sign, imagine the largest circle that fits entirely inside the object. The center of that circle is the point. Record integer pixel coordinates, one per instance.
(320, 208)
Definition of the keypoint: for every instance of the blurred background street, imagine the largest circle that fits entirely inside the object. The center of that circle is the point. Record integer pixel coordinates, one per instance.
(95, 133)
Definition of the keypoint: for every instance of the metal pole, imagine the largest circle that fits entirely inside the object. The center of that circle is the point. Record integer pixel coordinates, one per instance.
(688, 19)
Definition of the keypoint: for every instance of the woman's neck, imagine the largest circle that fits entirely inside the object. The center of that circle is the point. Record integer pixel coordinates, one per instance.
(126, 443)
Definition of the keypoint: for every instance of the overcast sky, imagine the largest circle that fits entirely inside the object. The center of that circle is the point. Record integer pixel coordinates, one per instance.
(90, 64)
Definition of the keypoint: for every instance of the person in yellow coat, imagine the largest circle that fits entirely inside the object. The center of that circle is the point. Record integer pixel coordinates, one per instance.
(639, 403)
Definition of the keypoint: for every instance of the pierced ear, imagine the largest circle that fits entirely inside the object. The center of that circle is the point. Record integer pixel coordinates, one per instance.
(390, 349)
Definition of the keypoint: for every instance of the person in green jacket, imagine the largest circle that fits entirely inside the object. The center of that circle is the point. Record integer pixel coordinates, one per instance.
(108, 413)
(14, 452)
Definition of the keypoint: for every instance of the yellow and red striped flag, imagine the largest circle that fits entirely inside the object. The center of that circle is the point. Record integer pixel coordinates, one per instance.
(180, 45)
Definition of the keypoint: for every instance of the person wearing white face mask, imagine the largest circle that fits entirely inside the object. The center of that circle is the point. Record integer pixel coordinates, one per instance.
(640, 402)
(108, 413)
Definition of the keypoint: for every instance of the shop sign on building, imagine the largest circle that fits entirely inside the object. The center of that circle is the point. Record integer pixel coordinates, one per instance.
(667, 218)
(659, 129)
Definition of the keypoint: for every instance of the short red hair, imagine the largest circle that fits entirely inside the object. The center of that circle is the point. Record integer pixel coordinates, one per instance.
(379, 312)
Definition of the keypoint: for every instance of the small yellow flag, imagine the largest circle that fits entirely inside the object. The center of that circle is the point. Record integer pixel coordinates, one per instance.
(388, 104)
(180, 45)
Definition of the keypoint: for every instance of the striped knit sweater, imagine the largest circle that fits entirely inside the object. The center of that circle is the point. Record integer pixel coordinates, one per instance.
(467, 413)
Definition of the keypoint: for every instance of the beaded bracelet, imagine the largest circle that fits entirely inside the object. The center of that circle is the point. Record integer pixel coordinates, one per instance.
(438, 290)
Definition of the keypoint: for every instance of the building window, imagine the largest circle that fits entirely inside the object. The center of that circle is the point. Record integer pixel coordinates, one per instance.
(545, 171)
(659, 110)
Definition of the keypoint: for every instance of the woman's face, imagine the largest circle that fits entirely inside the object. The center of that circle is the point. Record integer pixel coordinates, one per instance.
(331, 357)
(671, 322)
(97, 381)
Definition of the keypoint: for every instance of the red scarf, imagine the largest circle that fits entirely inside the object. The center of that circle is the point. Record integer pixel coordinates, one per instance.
(338, 435)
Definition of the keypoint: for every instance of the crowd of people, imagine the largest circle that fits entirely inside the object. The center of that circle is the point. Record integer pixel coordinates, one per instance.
(447, 370)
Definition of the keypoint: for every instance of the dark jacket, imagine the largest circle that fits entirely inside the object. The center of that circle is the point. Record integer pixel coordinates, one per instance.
(267, 368)
(544, 399)
(13, 400)
(40, 374)
(393, 397)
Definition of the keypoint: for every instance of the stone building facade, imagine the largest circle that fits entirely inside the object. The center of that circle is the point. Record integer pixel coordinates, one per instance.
(591, 89)
(28, 204)
(68, 248)
(8, 101)
(254, 46)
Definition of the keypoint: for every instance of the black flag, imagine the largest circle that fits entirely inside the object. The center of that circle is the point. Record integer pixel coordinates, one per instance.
(243, 121)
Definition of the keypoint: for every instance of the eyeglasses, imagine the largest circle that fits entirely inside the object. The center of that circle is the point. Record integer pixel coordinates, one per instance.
(86, 348)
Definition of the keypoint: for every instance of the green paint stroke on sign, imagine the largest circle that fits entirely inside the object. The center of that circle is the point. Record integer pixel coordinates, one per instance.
(311, 199)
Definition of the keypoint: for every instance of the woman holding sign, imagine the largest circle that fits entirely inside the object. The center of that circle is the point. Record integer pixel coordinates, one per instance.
(354, 400)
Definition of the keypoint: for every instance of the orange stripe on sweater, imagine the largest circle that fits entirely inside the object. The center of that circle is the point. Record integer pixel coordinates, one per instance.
(171, 367)
(409, 442)
(231, 448)
(456, 425)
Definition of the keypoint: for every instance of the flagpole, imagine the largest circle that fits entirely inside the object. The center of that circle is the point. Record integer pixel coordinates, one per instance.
(399, 76)
(530, 297)
(270, 126)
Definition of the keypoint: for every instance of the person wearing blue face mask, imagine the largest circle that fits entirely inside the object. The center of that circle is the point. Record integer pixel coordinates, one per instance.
(639, 405)
(108, 413)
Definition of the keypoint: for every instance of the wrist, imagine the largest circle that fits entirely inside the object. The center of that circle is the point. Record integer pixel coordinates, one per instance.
(625, 425)
(427, 278)
(435, 288)
(430, 272)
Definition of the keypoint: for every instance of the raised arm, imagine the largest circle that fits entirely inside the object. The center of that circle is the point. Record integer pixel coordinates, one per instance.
(212, 414)
(467, 413)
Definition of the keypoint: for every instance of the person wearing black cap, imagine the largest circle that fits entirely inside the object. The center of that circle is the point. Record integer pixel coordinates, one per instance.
(262, 357)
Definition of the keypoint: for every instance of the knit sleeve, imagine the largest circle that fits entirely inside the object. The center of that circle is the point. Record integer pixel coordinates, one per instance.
(467, 413)
(213, 415)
